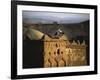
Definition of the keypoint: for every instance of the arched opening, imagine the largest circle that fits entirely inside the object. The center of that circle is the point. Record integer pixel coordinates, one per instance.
(58, 51)
(49, 53)
(54, 52)
(56, 45)
(61, 52)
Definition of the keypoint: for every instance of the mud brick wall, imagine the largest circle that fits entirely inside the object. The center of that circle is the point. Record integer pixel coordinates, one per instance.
(60, 53)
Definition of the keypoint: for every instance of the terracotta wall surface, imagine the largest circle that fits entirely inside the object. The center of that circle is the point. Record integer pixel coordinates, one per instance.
(60, 53)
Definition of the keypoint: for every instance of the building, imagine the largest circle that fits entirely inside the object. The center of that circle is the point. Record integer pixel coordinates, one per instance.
(59, 52)
(53, 51)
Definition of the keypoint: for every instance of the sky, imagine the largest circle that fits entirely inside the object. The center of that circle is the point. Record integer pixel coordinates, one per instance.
(50, 17)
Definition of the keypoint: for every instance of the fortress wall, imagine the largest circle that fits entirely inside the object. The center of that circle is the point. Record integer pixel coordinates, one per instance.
(59, 53)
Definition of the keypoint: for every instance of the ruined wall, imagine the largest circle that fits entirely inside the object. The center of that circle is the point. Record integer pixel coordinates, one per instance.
(60, 52)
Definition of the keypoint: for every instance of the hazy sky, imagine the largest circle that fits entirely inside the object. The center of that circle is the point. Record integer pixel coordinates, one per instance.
(50, 17)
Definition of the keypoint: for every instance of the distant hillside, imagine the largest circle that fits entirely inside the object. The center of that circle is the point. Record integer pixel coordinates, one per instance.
(72, 31)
